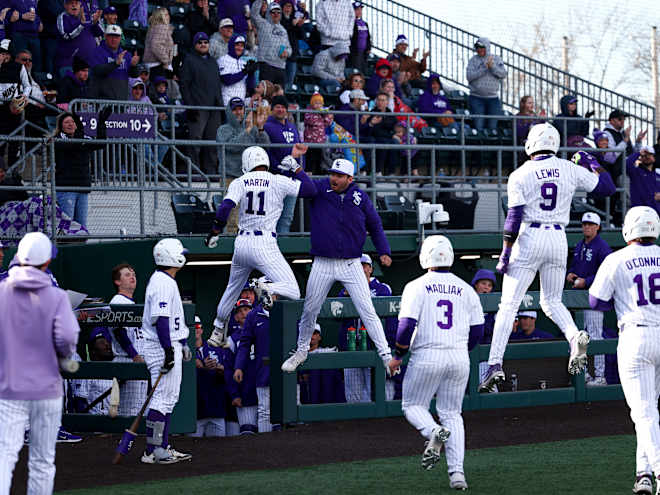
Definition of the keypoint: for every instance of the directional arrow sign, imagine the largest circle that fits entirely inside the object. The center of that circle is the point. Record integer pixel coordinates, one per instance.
(122, 125)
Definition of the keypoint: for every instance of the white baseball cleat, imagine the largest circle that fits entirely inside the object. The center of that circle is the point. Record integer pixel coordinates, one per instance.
(159, 456)
(178, 455)
(578, 359)
(457, 481)
(643, 484)
(217, 338)
(431, 454)
(296, 359)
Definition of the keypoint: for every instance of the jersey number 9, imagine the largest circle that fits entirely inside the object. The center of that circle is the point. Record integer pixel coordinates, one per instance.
(549, 195)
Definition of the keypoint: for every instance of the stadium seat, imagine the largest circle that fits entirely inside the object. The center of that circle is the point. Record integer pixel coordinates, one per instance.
(397, 212)
(460, 202)
(192, 215)
(132, 44)
(428, 135)
(291, 92)
(416, 92)
(133, 29)
(349, 71)
(309, 89)
(457, 98)
(178, 13)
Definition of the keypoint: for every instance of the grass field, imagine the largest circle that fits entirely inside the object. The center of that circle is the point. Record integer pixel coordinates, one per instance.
(603, 465)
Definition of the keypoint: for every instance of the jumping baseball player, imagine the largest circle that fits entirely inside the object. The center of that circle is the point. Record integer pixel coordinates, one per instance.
(261, 197)
(340, 216)
(449, 319)
(31, 387)
(165, 333)
(127, 343)
(540, 194)
(629, 281)
(587, 257)
(357, 381)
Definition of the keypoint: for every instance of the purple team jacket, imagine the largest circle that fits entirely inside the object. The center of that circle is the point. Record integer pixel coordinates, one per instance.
(256, 332)
(37, 327)
(587, 258)
(279, 133)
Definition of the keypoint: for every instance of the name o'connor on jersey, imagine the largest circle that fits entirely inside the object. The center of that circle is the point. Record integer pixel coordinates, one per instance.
(256, 182)
(547, 173)
(444, 289)
(642, 262)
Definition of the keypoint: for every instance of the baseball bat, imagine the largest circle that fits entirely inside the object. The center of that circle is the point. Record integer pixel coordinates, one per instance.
(131, 433)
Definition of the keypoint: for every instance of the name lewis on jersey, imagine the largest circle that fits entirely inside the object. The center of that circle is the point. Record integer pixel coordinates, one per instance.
(256, 182)
(443, 289)
(547, 173)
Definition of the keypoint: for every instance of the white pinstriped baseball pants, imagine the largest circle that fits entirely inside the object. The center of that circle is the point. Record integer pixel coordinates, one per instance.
(45, 417)
(446, 380)
(348, 272)
(210, 427)
(593, 325)
(256, 252)
(357, 385)
(263, 410)
(541, 250)
(132, 393)
(166, 394)
(638, 356)
(247, 415)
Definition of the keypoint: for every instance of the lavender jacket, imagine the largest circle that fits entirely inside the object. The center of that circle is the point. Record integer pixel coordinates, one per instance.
(35, 316)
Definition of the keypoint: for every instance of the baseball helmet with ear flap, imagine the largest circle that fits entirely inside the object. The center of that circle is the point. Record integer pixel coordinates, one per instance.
(436, 251)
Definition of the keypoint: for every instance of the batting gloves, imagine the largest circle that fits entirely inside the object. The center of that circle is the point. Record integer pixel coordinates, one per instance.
(212, 240)
(168, 362)
(503, 263)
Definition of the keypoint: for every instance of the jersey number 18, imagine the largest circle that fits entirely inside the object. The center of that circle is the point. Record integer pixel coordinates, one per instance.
(654, 289)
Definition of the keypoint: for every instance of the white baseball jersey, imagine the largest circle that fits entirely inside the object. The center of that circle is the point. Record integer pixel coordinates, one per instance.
(632, 276)
(230, 65)
(260, 197)
(445, 307)
(546, 187)
(134, 333)
(162, 298)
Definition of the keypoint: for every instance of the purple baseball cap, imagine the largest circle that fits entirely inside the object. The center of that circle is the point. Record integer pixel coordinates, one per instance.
(200, 36)
(236, 102)
(483, 274)
(110, 9)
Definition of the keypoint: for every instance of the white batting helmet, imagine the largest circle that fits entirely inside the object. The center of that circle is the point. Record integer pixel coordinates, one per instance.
(542, 137)
(640, 221)
(170, 252)
(253, 157)
(436, 251)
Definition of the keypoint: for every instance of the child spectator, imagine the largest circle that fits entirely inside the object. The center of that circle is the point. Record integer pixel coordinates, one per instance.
(74, 84)
(237, 75)
(360, 41)
(402, 136)
(315, 132)
(110, 16)
(605, 158)
(383, 70)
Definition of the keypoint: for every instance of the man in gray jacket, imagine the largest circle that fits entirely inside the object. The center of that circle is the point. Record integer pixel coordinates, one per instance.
(484, 74)
(200, 86)
(335, 20)
(329, 65)
(274, 46)
(237, 134)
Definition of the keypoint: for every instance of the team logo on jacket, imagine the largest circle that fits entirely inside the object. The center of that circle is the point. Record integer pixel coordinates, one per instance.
(357, 198)
(336, 308)
(588, 254)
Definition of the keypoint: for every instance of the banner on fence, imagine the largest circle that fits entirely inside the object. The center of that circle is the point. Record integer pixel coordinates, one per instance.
(122, 125)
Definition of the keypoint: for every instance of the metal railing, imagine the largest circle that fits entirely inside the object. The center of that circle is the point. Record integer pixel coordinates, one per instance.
(451, 48)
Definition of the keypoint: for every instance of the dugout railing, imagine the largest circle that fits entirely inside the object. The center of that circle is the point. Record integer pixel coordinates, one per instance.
(184, 416)
(285, 409)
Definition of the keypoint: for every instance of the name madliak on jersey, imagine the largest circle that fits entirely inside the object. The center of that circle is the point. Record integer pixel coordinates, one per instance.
(444, 289)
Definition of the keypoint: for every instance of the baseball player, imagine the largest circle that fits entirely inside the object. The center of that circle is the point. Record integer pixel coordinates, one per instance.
(127, 342)
(587, 257)
(540, 194)
(629, 280)
(357, 381)
(449, 319)
(340, 216)
(31, 387)
(261, 197)
(165, 333)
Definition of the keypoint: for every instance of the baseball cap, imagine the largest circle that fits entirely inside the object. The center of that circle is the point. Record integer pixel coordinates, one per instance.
(357, 93)
(34, 249)
(110, 9)
(137, 82)
(648, 149)
(236, 102)
(239, 39)
(342, 166)
(483, 274)
(591, 217)
(479, 44)
(357, 5)
(274, 6)
(143, 68)
(401, 40)
(280, 100)
(365, 258)
(618, 114)
(113, 29)
(160, 79)
(317, 327)
(529, 314)
(243, 303)
(226, 22)
(98, 333)
(200, 36)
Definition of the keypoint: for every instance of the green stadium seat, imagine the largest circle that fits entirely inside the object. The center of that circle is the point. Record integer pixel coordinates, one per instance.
(133, 29)
(191, 214)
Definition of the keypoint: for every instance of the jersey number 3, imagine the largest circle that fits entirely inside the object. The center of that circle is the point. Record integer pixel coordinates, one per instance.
(654, 289)
(447, 309)
(261, 197)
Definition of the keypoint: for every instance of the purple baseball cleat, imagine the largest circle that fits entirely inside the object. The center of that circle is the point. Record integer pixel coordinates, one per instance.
(494, 376)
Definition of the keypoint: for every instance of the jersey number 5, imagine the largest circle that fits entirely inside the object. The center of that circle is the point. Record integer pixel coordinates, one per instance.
(447, 308)
(549, 195)
(261, 196)
(654, 289)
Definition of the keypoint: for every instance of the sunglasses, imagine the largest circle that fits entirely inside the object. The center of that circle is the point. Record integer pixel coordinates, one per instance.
(203, 42)
(275, 12)
(26, 60)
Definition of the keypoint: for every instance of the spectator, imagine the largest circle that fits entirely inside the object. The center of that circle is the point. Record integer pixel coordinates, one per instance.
(274, 47)
(200, 86)
(15, 89)
(35, 112)
(485, 73)
(159, 45)
(110, 17)
(292, 21)
(72, 162)
(74, 84)
(605, 158)
(220, 40)
(383, 70)
(25, 30)
(527, 328)
(588, 255)
(329, 66)
(76, 36)
(111, 67)
(282, 131)
(137, 91)
(354, 81)
(381, 130)
(409, 65)
(358, 102)
(236, 75)
(434, 101)
(360, 41)
(402, 78)
(49, 10)
(335, 20)
(238, 12)
(483, 282)
(137, 11)
(402, 136)
(315, 132)
(644, 181)
(238, 133)
(619, 138)
(397, 105)
(572, 131)
(201, 20)
(526, 109)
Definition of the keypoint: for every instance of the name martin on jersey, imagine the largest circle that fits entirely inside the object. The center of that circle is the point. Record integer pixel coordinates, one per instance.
(256, 182)
(444, 289)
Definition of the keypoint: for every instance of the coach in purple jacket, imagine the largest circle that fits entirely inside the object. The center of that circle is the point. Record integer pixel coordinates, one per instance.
(588, 254)
(38, 317)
